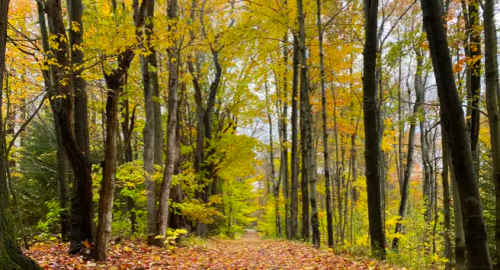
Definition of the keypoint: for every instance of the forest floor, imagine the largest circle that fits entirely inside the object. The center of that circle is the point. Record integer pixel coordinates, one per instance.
(249, 252)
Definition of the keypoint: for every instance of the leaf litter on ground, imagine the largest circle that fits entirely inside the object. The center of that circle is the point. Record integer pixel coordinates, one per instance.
(214, 255)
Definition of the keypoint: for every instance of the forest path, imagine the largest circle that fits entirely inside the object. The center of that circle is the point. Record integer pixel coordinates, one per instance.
(250, 235)
(249, 252)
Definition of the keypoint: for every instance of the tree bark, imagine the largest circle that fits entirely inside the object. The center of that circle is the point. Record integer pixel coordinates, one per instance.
(149, 130)
(294, 200)
(172, 153)
(307, 122)
(62, 103)
(454, 123)
(491, 73)
(326, 155)
(372, 139)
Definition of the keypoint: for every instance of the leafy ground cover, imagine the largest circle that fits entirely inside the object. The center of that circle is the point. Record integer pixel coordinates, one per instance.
(249, 252)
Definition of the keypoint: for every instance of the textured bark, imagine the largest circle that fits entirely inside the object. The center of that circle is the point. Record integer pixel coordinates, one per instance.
(491, 73)
(294, 200)
(372, 138)
(62, 162)
(172, 153)
(454, 123)
(81, 203)
(149, 130)
(411, 148)
(81, 125)
(326, 156)
(307, 122)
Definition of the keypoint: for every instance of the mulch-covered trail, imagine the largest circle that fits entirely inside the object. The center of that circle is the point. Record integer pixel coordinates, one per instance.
(247, 253)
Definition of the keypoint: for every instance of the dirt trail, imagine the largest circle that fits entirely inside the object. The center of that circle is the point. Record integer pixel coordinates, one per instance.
(250, 235)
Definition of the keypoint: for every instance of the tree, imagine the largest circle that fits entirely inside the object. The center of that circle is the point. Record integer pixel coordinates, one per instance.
(150, 81)
(329, 217)
(308, 151)
(454, 123)
(61, 94)
(372, 139)
(491, 73)
(172, 152)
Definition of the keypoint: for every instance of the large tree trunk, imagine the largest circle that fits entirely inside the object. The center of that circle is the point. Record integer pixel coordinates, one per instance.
(172, 153)
(149, 130)
(372, 138)
(307, 122)
(11, 257)
(81, 203)
(62, 162)
(294, 200)
(491, 73)
(419, 89)
(81, 125)
(454, 123)
(329, 216)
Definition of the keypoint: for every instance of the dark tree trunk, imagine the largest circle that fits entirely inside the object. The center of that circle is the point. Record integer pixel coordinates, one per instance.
(294, 200)
(329, 216)
(62, 162)
(307, 123)
(81, 203)
(491, 73)
(454, 123)
(81, 125)
(372, 138)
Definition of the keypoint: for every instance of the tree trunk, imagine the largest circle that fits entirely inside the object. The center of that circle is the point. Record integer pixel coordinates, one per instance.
(81, 204)
(294, 200)
(329, 217)
(372, 139)
(491, 73)
(172, 154)
(454, 123)
(149, 130)
(284, 143)
(62, 162)
(307, 122)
